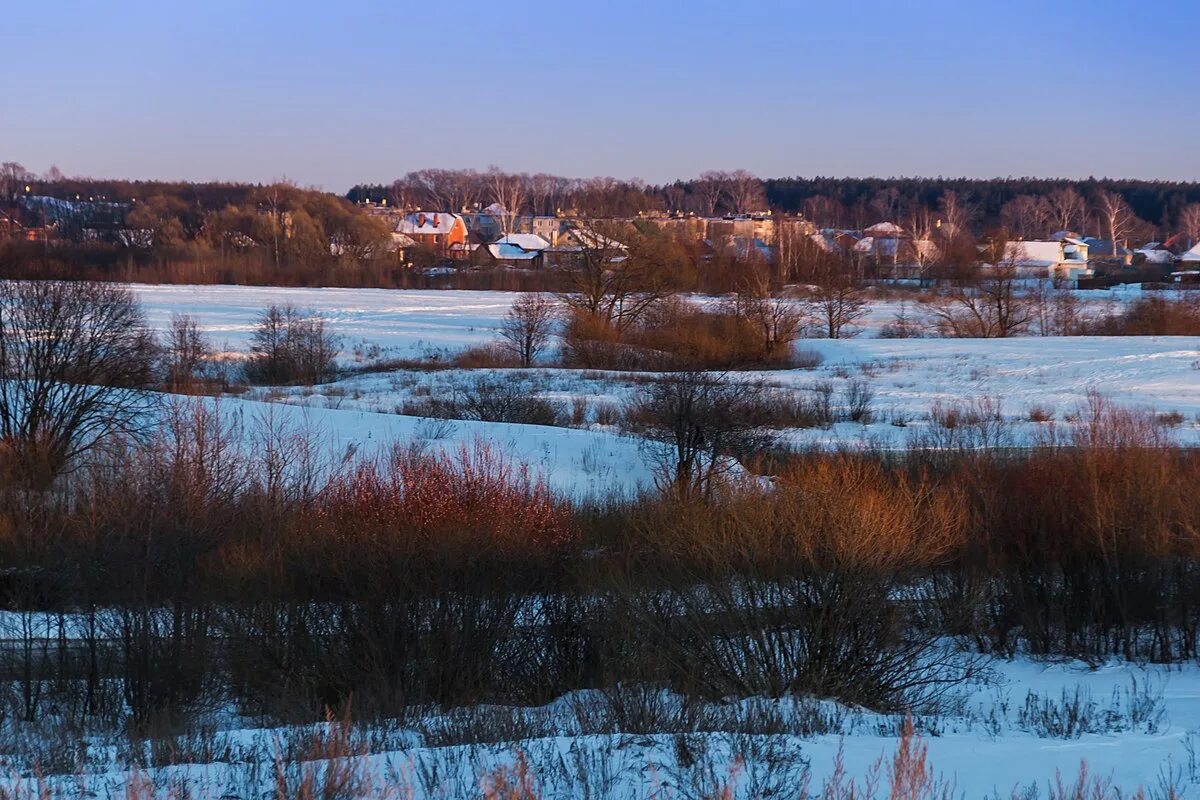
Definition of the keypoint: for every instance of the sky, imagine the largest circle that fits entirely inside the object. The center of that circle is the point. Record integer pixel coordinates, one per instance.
(331, 94)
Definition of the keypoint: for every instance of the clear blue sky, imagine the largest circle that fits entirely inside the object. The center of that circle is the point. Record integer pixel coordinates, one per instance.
(333, 93)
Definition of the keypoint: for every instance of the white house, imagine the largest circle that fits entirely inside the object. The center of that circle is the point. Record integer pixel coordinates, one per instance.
(1062, 258)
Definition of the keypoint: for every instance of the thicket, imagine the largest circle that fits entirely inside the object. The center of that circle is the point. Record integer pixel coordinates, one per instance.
(213, 566)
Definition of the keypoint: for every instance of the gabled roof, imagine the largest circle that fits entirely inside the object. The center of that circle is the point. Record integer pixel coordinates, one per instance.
(1191, 256)
(512, 252)
(525, 241)
(427, 222)
(586, 238)
(884, 229)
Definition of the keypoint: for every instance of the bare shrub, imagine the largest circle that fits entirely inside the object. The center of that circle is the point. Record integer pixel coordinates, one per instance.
(859, 396)
(837, 307)
(528, 325)
(903, 325)
(486, 356)
(701, 423)
(499, 399)
(791, 591)
(823, 403)
(1152, 316)
(186, 352)
(1040, 413)
(995, 308)
(778, 321)
(977, 423)
(292, 346)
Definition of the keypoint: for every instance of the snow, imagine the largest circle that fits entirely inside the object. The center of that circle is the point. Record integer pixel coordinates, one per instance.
(525, 241)
(427, 222)
(402, 323)
(982, 745)
(505, 251)
(578, 464)
(907, 375)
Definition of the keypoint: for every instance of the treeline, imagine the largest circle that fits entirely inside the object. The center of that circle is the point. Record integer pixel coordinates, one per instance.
(852, 200)
(977, 204)
(184, 232)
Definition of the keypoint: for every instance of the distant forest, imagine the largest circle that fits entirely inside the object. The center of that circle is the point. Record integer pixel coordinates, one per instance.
(841, 202)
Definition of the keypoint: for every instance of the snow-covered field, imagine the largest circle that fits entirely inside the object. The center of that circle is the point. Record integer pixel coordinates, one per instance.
(1009, 734)
(1049, 376)
(1019, 724)
(580, 464)
(401, 323)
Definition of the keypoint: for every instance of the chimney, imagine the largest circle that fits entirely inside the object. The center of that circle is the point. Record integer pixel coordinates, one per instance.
(435, 221)
(421, 220)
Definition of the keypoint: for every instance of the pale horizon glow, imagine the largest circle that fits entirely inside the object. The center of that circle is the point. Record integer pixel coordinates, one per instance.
(371, 90)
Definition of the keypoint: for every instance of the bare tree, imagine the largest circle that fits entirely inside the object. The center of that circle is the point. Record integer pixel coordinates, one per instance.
(745, 192)
(1027, 216)
(778, 321)
(12, 178)
(1066, 209)
(700, 423)
(1189, 222)
(1114, 215)
(528, 325)
(186, 351)
(837, 306)
(508, 191)
(921, 225)
(824, 211)
(886, 203)
(996, 308)
(957, 213)
(710, 187)
(608, 281)
(75, 358)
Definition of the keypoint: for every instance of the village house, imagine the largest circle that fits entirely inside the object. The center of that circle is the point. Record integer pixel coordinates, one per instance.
(1065, 258)
(437, 230)
(518, 250)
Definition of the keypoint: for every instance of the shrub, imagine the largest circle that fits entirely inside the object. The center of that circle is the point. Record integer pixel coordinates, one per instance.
(291, 346)
(486, 356)
(497, 399)
(1151, 316)
(859, 396)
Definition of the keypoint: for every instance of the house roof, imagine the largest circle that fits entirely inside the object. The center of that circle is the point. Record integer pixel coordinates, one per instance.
(511, 252)
(1156, 256)
(587, 238)
(1191, 256)
(1060, 235)
(427, 222)
(885, 229)
(525, 241)
(1105, 247)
